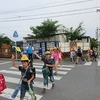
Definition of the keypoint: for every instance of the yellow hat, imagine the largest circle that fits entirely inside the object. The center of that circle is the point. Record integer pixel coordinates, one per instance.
(24, 58)
(88, 48)
(54, 48)
(47, 52)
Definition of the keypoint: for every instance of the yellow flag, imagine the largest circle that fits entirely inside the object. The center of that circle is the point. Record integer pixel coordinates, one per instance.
(17, 49)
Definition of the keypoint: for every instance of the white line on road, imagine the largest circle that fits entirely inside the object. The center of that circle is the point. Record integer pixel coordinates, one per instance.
(36, 83)
(18, 73)
(5, 62)
(98, 63)
(8, 92)
(88, 63)
(40, 70)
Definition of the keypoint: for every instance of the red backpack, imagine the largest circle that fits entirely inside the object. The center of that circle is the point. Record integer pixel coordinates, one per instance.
(2, 83)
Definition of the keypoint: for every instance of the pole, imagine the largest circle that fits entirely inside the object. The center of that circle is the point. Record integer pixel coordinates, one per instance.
(98, 36)
(16, 50)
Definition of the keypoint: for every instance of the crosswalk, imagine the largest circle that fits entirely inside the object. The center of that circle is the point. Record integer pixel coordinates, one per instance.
(12, 76)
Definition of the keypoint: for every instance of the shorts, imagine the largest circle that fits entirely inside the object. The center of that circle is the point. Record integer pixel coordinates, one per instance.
(24, 89)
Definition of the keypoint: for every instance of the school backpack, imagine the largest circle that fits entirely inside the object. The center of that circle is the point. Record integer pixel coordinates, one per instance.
(2, 83)
(79, 51)
(30, 50)
(33, 70)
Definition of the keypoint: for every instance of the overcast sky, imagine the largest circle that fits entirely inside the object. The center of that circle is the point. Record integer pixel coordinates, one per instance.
(19, 15)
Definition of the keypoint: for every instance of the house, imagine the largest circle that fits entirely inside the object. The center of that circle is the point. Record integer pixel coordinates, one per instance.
(63, 41)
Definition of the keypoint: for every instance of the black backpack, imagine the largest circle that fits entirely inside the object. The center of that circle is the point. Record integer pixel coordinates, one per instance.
(33, 71)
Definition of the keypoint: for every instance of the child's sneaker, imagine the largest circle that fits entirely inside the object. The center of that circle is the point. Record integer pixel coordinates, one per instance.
(53, 85)
(44, 90)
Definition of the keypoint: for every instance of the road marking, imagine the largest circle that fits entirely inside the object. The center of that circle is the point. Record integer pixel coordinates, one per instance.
(5, 62)
(36, 83)
(68, 66)
(35, 64)
(8, 92)
(18, 73)
(88, 63)
(40, 70)
(98, 63)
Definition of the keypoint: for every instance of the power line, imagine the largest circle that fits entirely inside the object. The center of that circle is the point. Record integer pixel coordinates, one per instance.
(54, 12)
(32, 6)
(57, 5)
(48, 16)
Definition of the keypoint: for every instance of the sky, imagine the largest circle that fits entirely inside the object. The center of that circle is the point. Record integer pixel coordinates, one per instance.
(20, 15)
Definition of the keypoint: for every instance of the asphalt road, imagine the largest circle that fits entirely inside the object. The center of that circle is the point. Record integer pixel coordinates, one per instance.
(81, 82)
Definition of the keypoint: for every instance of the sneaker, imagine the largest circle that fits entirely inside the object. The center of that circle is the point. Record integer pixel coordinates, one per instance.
(44, 90)
(55, 73)
(53, 85)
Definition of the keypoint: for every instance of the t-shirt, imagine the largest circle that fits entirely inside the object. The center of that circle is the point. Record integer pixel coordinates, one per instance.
(29, 72)
(30, 49)
(50, 61)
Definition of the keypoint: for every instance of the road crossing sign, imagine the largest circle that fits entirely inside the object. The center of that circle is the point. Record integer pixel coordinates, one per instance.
(15, 34)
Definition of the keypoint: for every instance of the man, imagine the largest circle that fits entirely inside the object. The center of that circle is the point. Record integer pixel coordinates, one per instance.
(30, 52)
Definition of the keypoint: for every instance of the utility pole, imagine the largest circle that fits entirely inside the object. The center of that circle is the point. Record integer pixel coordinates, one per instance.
(98, 33)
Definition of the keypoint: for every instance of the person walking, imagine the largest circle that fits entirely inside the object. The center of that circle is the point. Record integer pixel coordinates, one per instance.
(28, 75)
(30, 50)
(47, 69)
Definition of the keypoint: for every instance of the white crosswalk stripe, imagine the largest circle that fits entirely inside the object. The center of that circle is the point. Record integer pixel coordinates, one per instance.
(98, 63)
(40, 70)
(18, 73)
(36, 83)
(88, 63)
(11, 79)
(8, 92)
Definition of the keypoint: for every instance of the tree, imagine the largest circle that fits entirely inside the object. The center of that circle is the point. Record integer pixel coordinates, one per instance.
(4, 40)
(74, 34)
(47, 29)
(94, 43)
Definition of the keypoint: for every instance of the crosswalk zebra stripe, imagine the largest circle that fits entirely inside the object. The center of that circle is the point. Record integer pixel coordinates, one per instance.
(98, 63)
(36, 83)
(39, 70)
(18, 73)
(69, 66)
(88, 63)
(58, 65)
(5, 62)
(61, 68)
(8, 92)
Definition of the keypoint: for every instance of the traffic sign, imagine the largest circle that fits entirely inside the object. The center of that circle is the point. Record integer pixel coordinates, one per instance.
(15, 34)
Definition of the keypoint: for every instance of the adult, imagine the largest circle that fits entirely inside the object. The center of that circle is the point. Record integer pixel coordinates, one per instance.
(30, 50)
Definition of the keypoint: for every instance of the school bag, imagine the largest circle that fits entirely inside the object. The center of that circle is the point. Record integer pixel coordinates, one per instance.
(33, 70)
(2, 83)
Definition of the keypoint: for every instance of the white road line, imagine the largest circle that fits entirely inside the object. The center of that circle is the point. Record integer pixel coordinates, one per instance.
(35, 64)
(18, 73)
(61, 68)
(88, 63)
(36, 83)
(39, 70)
(69, 66)
(8, 92)
(5, 63)
(98, 63)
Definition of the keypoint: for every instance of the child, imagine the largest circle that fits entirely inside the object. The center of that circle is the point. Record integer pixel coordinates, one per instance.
(60, 56)
(28, 75)
(56, 58)
(48, 63)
